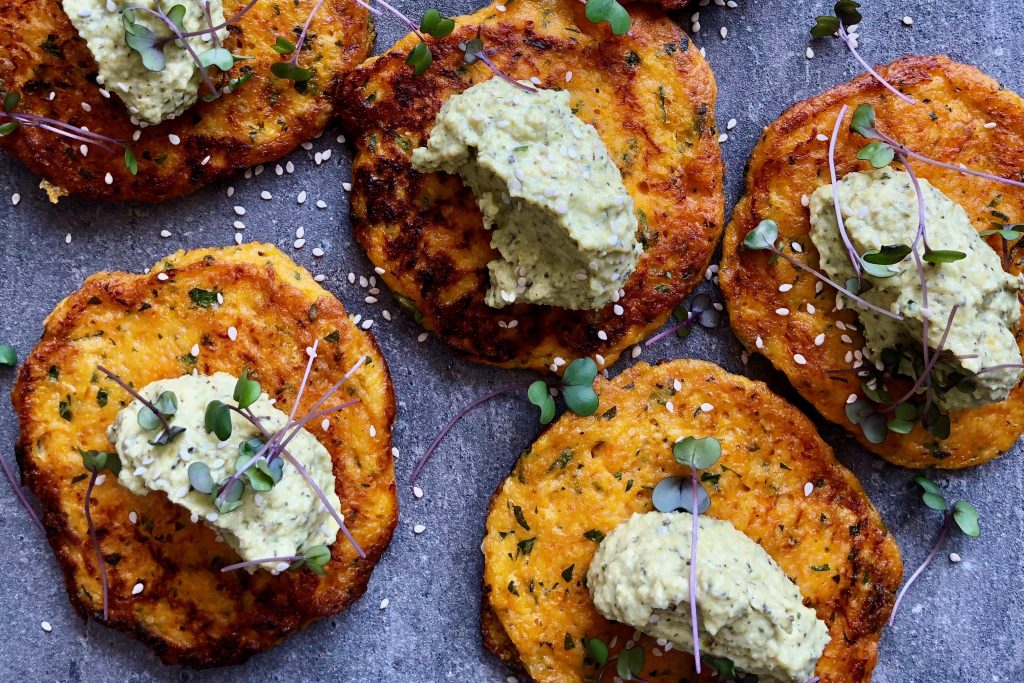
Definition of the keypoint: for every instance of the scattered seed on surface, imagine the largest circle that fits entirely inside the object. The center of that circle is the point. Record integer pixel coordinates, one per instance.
(808, 488)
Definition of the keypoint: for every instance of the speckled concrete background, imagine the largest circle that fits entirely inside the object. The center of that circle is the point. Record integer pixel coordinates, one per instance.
(961, 622)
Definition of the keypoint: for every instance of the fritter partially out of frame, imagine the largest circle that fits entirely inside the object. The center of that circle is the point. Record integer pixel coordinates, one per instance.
(49, 66)
(649, 94)
(249, 312)
(960, 117)
(776, 482)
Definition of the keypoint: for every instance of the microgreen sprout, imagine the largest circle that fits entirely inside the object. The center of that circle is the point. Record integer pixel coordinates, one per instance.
(15, 120)
(611, 11)
(8, 356)
(152, 415)
(577, 389)
(847, 14)
(629, 663)
(697, 454)
(96, 462)
(474, 51)
(313, 559)
(700, 309)
(962, 513)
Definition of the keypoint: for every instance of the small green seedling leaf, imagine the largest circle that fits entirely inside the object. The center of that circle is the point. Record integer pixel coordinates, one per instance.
(824, 26)
(218, 57)
(698, 453)
(420, 59)
(846, 11)
(943, 256)
(436, 25)
(9, 127)
(630, 663)
(540, 396)
(218, 420)
(200, 478)
(97, 461)
(763, 236)
(11, 100)
(863, 121)
(177, 16)
(879, 154)
(611, 11)
(8, 356)
(888, 255)
(283, 46)
(130, 162)
(291, 72)
(676, 493)
(144, 42)
(966, 517)
(597, 651)
(247, 391)
(316, 557)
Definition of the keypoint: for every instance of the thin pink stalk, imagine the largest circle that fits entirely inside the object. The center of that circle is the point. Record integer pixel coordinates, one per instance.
(1004, 366)
(693, 569)
(213, 29)
(854, 257)
(21, 495)
(214, 39)
(404, 19)
(305, 30)
(255, 563)
(924, 565)
(454, 421)
(500, 74)
(305, 380)
(136, 395)
(184, 43)
(690, 318)
(95, 138)
(327, 503)
(899, 147)
(96, 545)
(867, 67)
(63, 133)
(921, 214)
(926, 373)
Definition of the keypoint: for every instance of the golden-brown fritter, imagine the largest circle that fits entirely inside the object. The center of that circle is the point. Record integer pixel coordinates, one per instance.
(955, 102)
(262, 120)
(590, 474)
(143, 328)
(651, 97)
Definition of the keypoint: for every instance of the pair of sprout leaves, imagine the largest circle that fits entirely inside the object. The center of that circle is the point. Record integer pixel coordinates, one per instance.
(577, 388)
(964, 514)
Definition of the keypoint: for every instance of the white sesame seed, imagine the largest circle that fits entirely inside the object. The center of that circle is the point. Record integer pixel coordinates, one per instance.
(706, 407)
(231, 191)
(723, 32)
(731, 124)
(805, 200)
(785, 287)
(677, 385)
(195, 349)
(289, 167)
(232, 333)
(165, 233)
(617, 309)
(808, 488)
(991, 124)
(821, 137)
(422, 337)
(45, 625)
(266, 195)
(138, 588)
(321, 204)
(302, 197)
(954, 557)
(238, 238)
(205, 160)
(325, 424)
(635, 353)
(367, 324)
(174, 139)
(299, 244)
(108, 179)
(347, 187)
(384, 603)
(240, 210)
(320, 277)
(811, 309)
(809, 53)
(759, 343)
(723, 137)
(908, 21)
(162, 277)
(782, 311)
(15, 199)
(669, 407)
(852, 398)
(602, 335)
(419, 529)
(799, 359)
(370, 299)
(133, 517)
(317, 251)
(417, 491)
(379, 270)
(820, 339)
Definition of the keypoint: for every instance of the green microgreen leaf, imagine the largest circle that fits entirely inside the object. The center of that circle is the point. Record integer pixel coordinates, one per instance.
(420, 58)
(723, 666)
(540, 396)
(177, 16)
(202, 298)
(283, 46)
(250, 447)
(763, 236)
(291, 72)
(130, 162)
(966, 517)
(847, 12)
(879, 154)
(200, 478)
(577, 387)
(581, 372)
(247, 391)
(611, 11)
(166, 404)
(675, 493)
(218, 57)
(630, 663)
(943, 256)
(874, 269)
(166, 436)
(875, 427)
(436, 25)
(316, 557)
(11, 100)
(888, 255)
(932, 495)
(824, 26)
(218, 420)
(259, 476)
(937, 424)
(236, 83)
(146, 44)
(698, 453)
(597, 651)
(8, 356)
(858, 410)
(863, 121)
(9, 127)
(97, 461)
(231, 499)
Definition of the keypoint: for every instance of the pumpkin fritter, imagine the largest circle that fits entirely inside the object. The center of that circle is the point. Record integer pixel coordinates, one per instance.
(651, 97)
(143, 328)
(262, 120)
(955, 102)
(584, 476)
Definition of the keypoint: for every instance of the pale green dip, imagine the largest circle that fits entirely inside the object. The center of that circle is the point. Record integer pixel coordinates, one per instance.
(563, 222)
(880, 208)
(150, 96)
(747, 609)
(284, 521)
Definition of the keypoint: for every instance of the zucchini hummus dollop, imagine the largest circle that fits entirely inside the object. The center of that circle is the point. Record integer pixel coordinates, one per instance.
(748, 609)
(563, 222)
(284, 521)
(879, 209)
(151, 96)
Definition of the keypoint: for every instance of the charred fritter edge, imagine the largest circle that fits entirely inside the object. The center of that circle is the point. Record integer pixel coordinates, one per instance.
(955, 101)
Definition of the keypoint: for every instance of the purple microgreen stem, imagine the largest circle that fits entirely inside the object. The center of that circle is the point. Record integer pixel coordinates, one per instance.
(1004, 366)
(922, 234)
(21, 495)
(693, 569)
(690, 318)
(305, 31)
(212, 29)
(255, 563)
(455, 420)
(482, 56)
(96, 546)
(159, 14)
(323, 499)
(137, 396)
(931, 556)
(903, 150)
(214, 39)
(64, 129)
(867, 67)
(925, 376)
(854, 257)
(404, 19)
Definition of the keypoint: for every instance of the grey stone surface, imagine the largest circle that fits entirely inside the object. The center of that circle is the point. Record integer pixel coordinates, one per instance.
(961, 622)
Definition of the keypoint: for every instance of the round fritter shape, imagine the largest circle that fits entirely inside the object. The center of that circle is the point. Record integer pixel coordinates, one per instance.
(585, 476)
(143, 328)
(651, 97)
(262, 120)
(948, 124)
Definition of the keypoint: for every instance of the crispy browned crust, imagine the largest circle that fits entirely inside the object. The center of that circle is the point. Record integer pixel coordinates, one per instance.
(955, 102)
(616, 457)
(262, 120)
(143, 329)
(650, 95)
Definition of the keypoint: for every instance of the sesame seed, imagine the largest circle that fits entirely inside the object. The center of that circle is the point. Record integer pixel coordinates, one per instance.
(419, 529)
(782, 311)
(231, 191)
(908, 21)
(238, 238)
(108, 179)
(266, 195)
(195, 349)
(805, 200)
(133, 517)
(417, 491)
(821, 137)
(289, 167)
(394, 452)
(811, 309)
(317, 251)
(367, 324)
(808, 488)
(347, 187)
(731, 124)
(759, 343)
(723, 32)
(45, 625)
(321, 204)
(370, 299)
(723, 137)
(785, 287)
(669, 407)
(307, 146)
(240, 210)
(852, 398)
(991, 124)
(617, 309)
(677, 385)
(422, 337)
(384, 603)
(232, 333)
(809, 53)
(302, 197)
(602, 335)
(15, 199)
(954, 557)
(325, 424)
(799, 359)
(820, 339)
(635, 353)
(165, 233)
(138, 588)
(706, 407)
(299, 243)
(162, 277)
(174, 139)
(379, 270)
